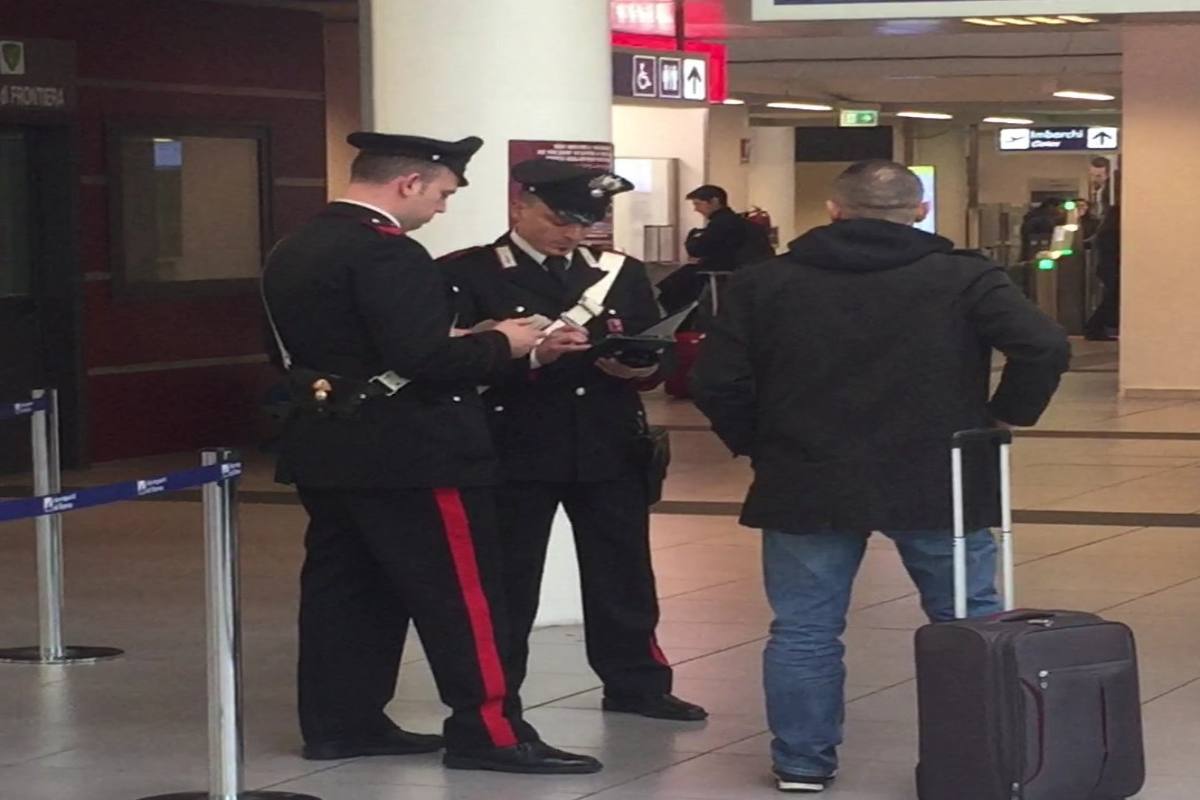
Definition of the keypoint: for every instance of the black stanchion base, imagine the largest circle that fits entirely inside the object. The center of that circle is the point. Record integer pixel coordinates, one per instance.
(71, 655)
(242, 796)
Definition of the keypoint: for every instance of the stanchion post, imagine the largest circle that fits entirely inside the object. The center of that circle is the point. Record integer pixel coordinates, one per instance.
(47, 480)
(222, 596)
(224, 632)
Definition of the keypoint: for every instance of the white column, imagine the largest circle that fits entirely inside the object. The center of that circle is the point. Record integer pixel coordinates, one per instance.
(501, 70)
(1160, 329)
(773, 177)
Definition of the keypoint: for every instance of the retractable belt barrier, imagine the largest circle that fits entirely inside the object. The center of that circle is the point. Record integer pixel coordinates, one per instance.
(217, 475)
(15, 410)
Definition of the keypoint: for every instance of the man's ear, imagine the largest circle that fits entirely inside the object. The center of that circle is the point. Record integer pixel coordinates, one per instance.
(835, 211)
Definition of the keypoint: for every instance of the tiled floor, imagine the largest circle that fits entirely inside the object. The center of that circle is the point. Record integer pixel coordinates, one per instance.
(135, 727)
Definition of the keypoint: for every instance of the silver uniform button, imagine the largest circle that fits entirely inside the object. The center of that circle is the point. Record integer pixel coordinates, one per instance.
(456, 399)
(581, 391)
(520, 309)
(454, 289)
(498, 408)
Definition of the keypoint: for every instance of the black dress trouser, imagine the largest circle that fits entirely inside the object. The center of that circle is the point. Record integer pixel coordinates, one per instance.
(620, 607)
(376, 559)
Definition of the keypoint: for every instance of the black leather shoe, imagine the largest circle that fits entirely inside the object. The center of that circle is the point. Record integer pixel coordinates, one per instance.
(532, 758)
(663, 706)
(393, 743)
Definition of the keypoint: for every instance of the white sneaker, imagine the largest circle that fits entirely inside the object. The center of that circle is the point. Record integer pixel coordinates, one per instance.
(809, 784)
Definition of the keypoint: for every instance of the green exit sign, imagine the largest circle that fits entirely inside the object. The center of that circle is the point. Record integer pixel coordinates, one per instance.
(860, 118)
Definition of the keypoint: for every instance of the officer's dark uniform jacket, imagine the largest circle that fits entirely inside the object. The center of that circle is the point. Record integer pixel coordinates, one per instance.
(566, 421)
(352, 295)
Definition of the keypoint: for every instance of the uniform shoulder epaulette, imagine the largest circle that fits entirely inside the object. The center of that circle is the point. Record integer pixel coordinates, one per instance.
(384, 228)
(459, 254)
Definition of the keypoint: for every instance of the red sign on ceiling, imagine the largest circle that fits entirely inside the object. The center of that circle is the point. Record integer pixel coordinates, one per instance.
(649, 17)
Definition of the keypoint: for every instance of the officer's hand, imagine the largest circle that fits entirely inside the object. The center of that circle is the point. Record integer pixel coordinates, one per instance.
(561, 342)
(522, 334)
(610, 366)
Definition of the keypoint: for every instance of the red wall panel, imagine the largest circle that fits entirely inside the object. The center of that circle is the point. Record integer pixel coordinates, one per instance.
(194, 61)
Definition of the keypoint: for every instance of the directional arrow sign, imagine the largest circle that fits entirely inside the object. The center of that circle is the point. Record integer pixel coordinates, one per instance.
(1103, 138)
(695, 79)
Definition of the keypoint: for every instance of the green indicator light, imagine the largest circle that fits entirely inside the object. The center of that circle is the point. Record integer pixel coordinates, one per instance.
(1068, 252)
(1046, 264)
(1070, 205)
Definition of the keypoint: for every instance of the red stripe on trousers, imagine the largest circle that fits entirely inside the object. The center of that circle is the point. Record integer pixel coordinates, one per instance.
(479, 613)
(656, 652)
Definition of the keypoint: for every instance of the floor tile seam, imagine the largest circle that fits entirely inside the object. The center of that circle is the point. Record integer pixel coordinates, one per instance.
(882, 689)
(701, 589)
(674, 665)
(317, 771)
(1169, 692)
(1154, 593)
(1047, 556)
(1115, 485)
(1167, 405)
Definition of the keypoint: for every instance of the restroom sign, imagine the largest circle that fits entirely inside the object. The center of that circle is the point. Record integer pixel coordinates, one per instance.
(673, 76)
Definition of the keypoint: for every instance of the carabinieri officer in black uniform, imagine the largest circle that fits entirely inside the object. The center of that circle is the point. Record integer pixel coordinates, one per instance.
(568, 428)
(390, 450)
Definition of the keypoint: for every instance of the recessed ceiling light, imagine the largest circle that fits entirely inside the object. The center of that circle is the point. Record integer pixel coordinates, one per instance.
(987, 23)
(1047, 20)
(1073, 95)
(1079, 19)
(733, 101)
(801, 106)
(923, 115)
(1007, 121)
(1015, 21)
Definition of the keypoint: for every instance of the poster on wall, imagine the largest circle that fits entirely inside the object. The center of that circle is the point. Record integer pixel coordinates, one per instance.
(768, 10)
(598, 155)
(37, 77)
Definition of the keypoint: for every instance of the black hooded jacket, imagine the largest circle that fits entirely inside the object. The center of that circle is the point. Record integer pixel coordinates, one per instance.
(844, 367)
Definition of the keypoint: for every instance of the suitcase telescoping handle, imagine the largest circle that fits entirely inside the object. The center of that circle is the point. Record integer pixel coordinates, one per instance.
(960, 441)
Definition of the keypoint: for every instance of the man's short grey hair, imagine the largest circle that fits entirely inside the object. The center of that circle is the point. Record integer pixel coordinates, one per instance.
(879, 190)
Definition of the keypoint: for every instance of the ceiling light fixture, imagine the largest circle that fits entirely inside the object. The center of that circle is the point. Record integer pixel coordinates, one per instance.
(1015, 21)
(1047, 20)
(800, 106)
(733, 101)
(923, 115)
(1007, 121)
(987, 23)
(1073, 95)
(1079, 19)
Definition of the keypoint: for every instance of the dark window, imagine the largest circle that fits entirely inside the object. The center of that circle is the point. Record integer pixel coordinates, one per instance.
(189, 206)
(843, 144)
(15, 258)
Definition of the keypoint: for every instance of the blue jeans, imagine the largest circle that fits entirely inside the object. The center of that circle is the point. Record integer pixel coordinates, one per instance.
(808, 580)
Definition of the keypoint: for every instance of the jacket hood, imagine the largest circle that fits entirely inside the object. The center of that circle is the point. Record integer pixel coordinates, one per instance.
(866, 245)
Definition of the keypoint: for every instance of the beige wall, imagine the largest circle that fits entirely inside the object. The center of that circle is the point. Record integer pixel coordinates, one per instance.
(773, 177)
(1010, 177)
(813, 182)
(643, 131)
(727, 127)
(1160, 325)
(343, 101)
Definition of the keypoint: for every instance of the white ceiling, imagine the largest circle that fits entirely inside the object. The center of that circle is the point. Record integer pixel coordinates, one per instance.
(936, 65)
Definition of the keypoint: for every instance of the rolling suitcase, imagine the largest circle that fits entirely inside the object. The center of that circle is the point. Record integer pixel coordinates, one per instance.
(1024, 705)
(687, 347)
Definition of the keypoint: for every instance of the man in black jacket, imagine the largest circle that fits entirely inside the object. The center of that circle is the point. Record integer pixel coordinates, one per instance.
(568, 427)
(726, 242)
(843, 368)
(389, 448)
